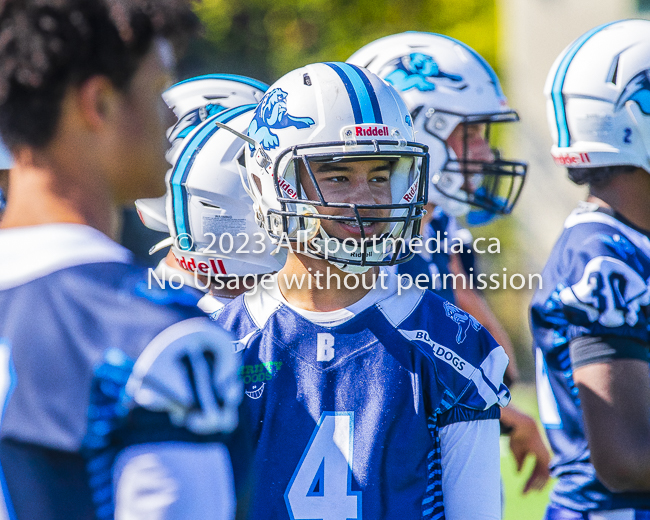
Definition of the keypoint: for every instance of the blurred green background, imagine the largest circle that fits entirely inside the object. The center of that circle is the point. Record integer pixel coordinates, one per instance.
(265, 39)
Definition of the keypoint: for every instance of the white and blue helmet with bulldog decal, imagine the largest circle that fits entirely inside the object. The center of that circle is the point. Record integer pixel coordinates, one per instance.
(207, 210)
(598, 98)
(445, 83)
(196, 99)
(329, 112)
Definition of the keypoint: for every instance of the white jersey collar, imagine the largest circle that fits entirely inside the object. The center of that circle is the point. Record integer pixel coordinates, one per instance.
(31, 252)
(264, 301)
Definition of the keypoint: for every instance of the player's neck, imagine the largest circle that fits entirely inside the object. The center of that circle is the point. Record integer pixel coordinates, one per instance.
(314, 294)
(627, 194)
(44, 193)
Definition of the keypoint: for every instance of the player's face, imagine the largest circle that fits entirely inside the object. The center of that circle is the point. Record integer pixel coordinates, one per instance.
(144, 120)
(470, 142)
(358, 182)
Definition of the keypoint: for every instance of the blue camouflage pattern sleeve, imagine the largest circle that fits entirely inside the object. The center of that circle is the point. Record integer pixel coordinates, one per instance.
(599, 286)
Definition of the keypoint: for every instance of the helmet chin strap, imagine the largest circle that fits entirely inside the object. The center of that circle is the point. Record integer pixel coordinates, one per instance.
(317, 242)
(325, 240)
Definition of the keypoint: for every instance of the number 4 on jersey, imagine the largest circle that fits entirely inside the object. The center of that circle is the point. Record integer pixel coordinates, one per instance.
(320, 486)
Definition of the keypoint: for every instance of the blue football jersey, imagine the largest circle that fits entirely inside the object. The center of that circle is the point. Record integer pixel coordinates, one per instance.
(345, 407)
(95, 361)
(596, 282)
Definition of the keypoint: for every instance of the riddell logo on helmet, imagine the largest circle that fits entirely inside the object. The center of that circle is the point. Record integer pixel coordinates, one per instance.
(411, 192)
(368, 130)
(567, 159)
(189, 264)
(371, 131)
(288, 189)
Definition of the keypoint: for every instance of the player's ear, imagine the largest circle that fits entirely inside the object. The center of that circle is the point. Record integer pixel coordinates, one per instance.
(97, 102)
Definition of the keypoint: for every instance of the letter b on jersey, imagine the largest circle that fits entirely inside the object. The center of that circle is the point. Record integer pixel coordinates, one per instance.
(325, 347)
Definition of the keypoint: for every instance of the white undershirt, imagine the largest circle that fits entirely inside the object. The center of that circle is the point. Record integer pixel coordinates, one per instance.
(339, 316)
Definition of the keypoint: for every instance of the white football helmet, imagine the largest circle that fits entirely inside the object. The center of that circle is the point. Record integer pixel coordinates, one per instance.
(445, 83)
(335, 112)
(598, 98)
(196, 99)
(206, 202)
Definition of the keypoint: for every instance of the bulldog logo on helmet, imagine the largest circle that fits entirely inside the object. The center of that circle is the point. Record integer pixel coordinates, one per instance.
(414, 71)
(638, 90)
(272, 113)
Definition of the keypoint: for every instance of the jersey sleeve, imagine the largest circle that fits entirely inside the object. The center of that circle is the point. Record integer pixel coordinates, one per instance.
(182, 390)
(466, 365)
(189, 371)
(470, 460)
(604, 290)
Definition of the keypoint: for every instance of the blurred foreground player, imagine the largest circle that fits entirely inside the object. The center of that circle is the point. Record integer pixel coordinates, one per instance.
(117, 397)
(363, 402)
(590, 321)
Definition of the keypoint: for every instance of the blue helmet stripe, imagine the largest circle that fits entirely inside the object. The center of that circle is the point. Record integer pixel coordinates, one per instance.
(352, 94)
(230, 77)
(184, 164)
(564, 138)
(367, 112)
(371, 93)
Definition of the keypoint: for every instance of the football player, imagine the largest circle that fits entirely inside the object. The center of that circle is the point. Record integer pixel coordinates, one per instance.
(216, 244)
(365, 400)
(455, 98)
(590, 320)
(118, 399)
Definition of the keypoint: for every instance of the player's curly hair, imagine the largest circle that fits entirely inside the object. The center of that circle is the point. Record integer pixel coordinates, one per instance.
(48, 45)
(598, 177)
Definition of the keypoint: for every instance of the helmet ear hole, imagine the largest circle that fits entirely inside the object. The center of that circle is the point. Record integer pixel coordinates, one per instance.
(257, 183)
(308, 227)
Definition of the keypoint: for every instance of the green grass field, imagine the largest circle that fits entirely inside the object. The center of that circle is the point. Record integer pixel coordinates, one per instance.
(518, 506)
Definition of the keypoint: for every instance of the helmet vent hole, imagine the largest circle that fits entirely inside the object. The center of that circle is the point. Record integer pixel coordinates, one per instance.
(242, 160)
(613, 72)
(208, 205)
